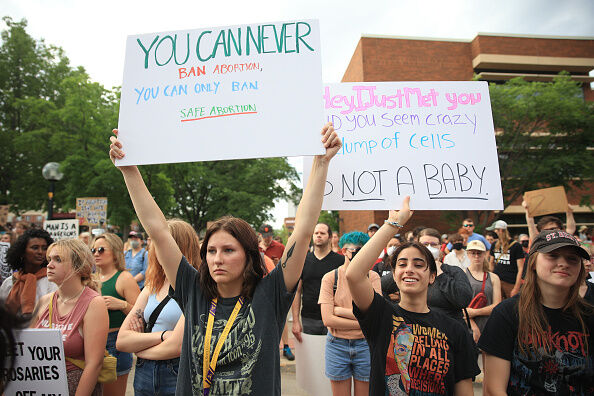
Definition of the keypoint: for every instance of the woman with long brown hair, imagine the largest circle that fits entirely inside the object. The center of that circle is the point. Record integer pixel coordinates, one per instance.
(540, 342)
(158, 346)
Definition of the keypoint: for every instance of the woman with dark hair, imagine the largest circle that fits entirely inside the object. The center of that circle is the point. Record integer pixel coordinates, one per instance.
(540, 341)
(234, 315)
(414, 349)
(29, 283)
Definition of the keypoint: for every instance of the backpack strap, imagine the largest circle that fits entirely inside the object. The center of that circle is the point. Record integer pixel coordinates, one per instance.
(155, 314)
(335, 281)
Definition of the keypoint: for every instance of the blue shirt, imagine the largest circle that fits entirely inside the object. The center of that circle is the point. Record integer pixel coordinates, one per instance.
(168, 317)
(475, 237)
(137, 264)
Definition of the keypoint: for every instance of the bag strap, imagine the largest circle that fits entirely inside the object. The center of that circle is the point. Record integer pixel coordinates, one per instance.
(335, 281)
(155, 314)
(467, 318)
(484, 279)
(51, 306)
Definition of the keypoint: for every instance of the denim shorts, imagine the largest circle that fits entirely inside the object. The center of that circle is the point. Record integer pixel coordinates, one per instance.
(347, 358)
(124, 358)
(155, 377)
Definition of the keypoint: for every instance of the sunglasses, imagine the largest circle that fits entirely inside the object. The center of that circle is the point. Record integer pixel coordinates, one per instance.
(468, 225)
(101, 250)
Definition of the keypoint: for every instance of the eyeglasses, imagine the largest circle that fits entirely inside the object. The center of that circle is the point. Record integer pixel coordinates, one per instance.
(101, 250)
(433, 244)
(467, 225)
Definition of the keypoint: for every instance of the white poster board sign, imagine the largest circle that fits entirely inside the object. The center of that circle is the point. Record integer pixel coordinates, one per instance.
(310, 364)
(61, 229)
(5, 270)
(39, 367)
(248, 91)
(91, 211)
(433, 141)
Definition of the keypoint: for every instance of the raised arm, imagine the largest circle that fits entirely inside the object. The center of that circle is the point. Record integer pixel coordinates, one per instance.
(570, 225)
(149, 214)
(308, 210)
(356, 274)
(532, 231)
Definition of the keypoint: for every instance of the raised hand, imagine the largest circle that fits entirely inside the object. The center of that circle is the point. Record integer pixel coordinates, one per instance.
(403, 215)
(331, 142)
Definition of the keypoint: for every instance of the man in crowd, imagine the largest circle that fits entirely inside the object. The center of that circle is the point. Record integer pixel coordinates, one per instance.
(307, 317)
(136, 258)
(468, 225)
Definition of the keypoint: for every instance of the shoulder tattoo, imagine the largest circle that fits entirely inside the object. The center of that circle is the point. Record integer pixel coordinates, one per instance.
(289, 254)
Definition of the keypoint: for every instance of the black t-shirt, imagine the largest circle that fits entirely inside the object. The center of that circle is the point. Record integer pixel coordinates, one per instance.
(506, 266)
(415, 353)
(311, 278)
(566, 370)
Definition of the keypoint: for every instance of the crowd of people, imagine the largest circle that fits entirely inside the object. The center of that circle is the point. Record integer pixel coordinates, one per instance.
(402, 313)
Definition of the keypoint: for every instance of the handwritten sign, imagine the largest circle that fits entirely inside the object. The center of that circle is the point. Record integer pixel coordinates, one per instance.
(433, 141)
(91, 211)
(40, 366)
(248, 91)
(61, 229)
(546, 201)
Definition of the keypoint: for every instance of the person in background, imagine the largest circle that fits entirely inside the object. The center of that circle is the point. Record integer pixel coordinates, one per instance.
(136, 258)
(372, 229)
(549, 223)
(78, 310)
(541, 340)
(157, 349)
(507, 260)
(27, 256)
(347, 353)
(9, 322)
(5, 270)
(587, 286)
(524, 240)
(335, 239)
(468, 226)
(120, 291)
(21, 227)
(491, 237)
(86, 238)
(457, 256)
(584, 234)
(7, 237)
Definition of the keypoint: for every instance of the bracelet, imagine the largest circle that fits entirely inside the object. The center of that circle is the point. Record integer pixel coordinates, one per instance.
(393, 223)
(162, 334)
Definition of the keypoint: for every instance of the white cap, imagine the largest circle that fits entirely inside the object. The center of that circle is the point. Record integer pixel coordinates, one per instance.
(499, 224)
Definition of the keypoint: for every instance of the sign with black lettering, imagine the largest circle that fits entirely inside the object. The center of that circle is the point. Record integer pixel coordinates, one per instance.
(61, 229)
(433, 141)
(39, 364)
(92, 211)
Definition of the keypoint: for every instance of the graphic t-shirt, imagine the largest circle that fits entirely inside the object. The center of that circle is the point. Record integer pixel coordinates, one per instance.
(415, 353)
(311, 277)
(249, 361)
(566, 369)
(506, 265)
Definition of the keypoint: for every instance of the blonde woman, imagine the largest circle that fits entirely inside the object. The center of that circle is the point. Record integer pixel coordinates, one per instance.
(78, 311)
(507, 260)
(119, 291)
(158, 349)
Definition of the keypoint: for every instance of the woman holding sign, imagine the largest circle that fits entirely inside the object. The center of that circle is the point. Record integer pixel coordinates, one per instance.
(78, 310)
(414, 349)
(234, 315)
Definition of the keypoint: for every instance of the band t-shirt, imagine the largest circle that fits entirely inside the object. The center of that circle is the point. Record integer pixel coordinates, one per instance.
(249, 361)
(311, 280)
(506, 265)
(415, 353)
(567, 369)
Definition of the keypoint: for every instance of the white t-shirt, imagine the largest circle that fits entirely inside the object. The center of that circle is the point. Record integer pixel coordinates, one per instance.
(452, 259)
(44, 286)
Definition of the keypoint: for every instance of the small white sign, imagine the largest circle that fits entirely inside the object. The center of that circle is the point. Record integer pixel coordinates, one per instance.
(39, 367)
(247, 91)
(433, 141)
(61, 229)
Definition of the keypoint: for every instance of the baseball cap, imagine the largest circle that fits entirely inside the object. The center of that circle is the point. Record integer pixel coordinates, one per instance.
(133, 234)
(372, 225)
(266, 230)
(547, 241)
(498, 224)
(476, 245)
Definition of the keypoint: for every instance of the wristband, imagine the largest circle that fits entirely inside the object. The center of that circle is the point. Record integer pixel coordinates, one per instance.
(162, 334)
(393, 223)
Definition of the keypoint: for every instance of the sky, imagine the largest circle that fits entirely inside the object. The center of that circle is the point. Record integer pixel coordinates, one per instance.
(93, 33)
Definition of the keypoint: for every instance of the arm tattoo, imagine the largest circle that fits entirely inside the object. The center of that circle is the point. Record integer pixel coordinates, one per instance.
(289, 254)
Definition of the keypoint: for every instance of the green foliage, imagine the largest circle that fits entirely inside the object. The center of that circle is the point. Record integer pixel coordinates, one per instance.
(329, 217)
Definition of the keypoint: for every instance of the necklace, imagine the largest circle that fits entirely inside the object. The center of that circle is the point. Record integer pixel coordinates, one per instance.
(65, 300)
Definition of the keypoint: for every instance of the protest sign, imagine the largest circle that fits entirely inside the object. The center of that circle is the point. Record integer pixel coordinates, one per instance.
(5, 270)
(248, 91)
(433, 141)
(61, 229)
(39, 366)
(3, 214)
(546, 201)
(310, 365)
(91, 211)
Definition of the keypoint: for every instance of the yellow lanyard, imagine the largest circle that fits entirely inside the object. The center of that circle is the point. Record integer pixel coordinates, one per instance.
(208, 366)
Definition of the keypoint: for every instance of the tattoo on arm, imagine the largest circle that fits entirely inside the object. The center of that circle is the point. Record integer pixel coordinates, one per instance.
(289, 254)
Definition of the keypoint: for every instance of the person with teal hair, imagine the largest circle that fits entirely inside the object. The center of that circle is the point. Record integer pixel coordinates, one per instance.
(356, 238)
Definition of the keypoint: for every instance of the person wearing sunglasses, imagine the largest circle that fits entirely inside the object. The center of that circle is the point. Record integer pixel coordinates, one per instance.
(468, 226)
(119, 291)
(414, 348)
(542, 340)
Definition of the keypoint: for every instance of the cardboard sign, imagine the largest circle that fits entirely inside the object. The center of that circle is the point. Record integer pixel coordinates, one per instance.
(91, 211)
(3, 214)
(248, 91)
(39, 367)
(433, 141)
(546, 201)
(61, 229)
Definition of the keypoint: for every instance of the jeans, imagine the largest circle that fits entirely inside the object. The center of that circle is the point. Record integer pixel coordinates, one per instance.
(155, 377)
(124, 364)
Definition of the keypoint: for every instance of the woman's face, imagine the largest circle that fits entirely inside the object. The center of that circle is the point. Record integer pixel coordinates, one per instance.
(335, 238)
(35, 252)
(476, 256)
(59, 267)
(411, 271)
(103, 254)
(226, 258)
(559, 268)
(5, 238)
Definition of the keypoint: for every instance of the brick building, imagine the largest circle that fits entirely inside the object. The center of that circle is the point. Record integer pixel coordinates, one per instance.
(494, 58)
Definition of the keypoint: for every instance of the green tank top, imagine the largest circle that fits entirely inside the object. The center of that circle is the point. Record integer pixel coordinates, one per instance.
(108, 288)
